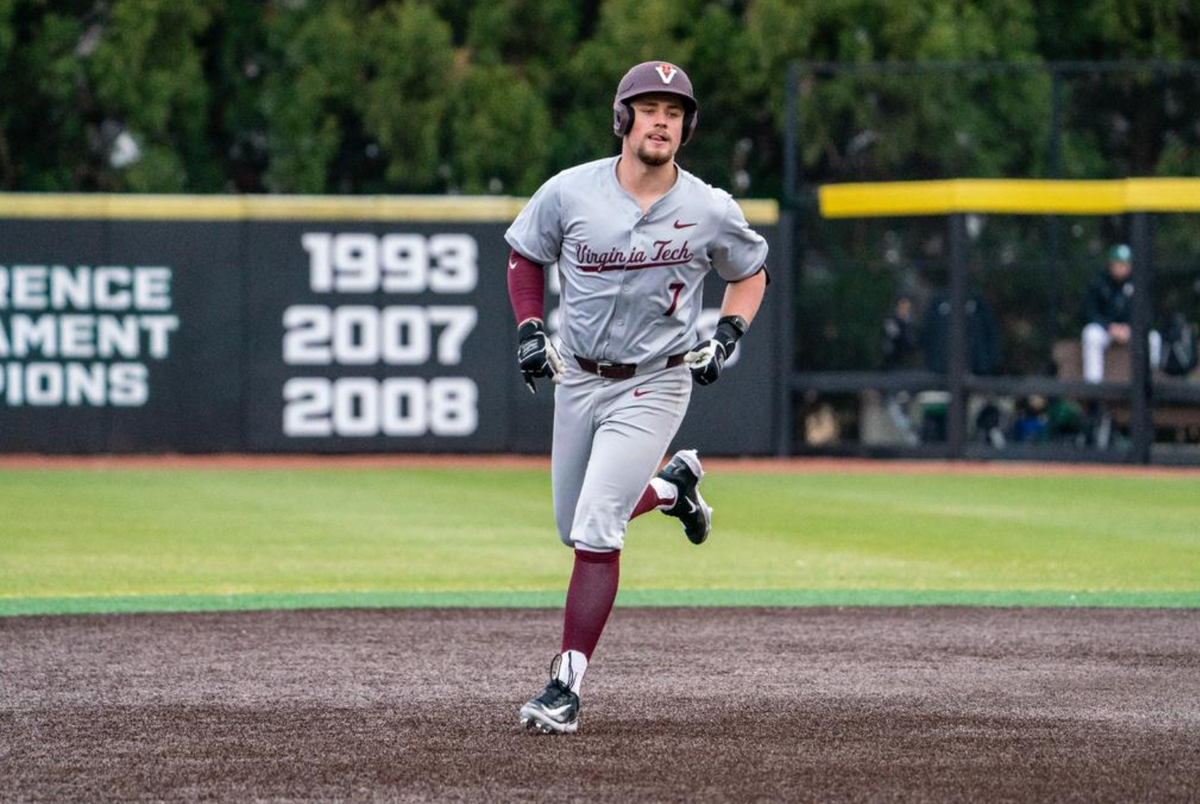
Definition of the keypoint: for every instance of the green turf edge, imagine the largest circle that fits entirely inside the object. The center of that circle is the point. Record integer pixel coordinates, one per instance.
(13, 607)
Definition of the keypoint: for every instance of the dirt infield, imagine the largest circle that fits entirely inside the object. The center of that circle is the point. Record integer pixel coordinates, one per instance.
(681, 704)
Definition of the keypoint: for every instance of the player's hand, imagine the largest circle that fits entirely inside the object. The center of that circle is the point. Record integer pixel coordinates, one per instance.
(537, 355)
(708, 357)
(705, 361)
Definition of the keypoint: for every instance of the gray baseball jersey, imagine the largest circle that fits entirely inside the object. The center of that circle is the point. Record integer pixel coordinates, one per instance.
(630, 293)
(631, 282)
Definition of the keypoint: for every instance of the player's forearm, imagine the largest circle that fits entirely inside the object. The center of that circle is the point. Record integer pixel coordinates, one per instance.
(526, 288)
(743, 298)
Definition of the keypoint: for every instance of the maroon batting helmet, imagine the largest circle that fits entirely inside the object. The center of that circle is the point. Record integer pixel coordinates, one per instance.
(653, 76)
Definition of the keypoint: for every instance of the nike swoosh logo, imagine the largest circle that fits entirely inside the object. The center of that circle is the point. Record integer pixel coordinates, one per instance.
(512, 265)
(640, 392)
(691, 507)
(556, 712)
(679, 225)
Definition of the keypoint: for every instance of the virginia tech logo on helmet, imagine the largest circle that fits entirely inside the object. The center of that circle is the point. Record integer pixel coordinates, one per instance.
(666, 72)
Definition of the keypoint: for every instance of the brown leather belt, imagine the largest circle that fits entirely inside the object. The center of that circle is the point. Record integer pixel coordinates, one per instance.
(620, 371)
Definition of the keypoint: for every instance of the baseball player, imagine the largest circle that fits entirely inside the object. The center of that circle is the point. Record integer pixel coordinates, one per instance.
(633, 237)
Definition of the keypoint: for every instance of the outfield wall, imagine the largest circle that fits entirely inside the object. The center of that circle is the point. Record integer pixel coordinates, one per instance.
(285, 324)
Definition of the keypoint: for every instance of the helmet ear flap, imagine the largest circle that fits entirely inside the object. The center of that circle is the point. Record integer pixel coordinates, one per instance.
(622, 118)
(689, 126)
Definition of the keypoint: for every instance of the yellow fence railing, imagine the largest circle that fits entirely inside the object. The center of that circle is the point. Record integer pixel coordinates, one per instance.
(1009, 196)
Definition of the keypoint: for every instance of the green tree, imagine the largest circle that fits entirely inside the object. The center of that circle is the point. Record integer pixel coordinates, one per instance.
(7, 39)
(500, 133)
(312, 82)
(457, 14)
(735, 145)
(535, 35)
(238, 58)
(45, 101)
(7, 34)
(411, 58)
(873, 126)
(627, 32)
(1123, 124)
(1108, 30)
(354, 95)
(149, 83)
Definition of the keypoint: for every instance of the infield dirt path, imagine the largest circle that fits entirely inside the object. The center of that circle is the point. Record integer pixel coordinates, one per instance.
(681, 704)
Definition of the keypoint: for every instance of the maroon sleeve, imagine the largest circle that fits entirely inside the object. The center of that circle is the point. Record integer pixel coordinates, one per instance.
(526, 287)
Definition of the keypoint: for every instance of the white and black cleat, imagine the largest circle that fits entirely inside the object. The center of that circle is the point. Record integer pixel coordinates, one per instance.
(555, 711)
(685, 473)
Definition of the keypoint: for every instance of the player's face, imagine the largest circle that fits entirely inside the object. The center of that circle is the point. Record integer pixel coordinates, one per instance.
(657, 128)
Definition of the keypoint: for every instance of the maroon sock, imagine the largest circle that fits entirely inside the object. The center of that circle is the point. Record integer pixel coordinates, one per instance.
(590, 599)
(649, 502)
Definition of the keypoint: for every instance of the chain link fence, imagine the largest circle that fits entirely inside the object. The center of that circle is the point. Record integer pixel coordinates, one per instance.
(1026, 274)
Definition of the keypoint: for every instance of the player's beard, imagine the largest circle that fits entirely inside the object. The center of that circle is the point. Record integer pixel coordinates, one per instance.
(653, 158)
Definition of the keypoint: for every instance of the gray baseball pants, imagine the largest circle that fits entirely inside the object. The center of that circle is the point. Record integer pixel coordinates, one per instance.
(609, 439)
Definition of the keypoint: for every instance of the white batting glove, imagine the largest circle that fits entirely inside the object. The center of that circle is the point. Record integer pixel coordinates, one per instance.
(699, 357)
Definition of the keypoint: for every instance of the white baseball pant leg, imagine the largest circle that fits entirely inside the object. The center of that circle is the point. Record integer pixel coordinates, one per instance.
(1096, 341)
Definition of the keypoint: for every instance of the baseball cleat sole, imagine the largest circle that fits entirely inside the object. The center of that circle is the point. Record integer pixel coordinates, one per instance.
(535, 721)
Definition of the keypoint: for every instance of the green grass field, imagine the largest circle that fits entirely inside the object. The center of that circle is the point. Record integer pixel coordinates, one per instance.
(205, 539)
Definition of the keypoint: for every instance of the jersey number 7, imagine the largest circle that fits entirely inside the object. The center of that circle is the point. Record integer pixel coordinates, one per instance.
(676, 288)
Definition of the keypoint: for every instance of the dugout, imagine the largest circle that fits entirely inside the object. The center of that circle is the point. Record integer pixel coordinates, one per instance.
(1157, 416)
